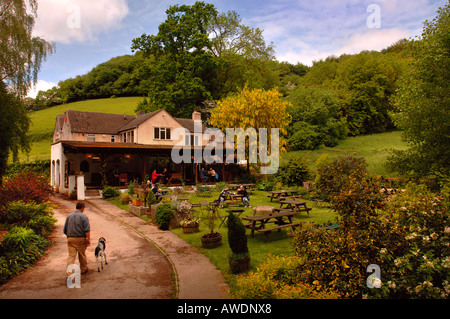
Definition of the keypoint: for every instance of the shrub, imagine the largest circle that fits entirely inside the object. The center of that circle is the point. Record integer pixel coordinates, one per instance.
(238, 243)
(419, 265)
(151, 198)
(236, 235)
(277, 278)
(337, 259)
(163, 215)
(25, 186)
(110, 192)
(38, 217)
(294, 171)
(20, 248)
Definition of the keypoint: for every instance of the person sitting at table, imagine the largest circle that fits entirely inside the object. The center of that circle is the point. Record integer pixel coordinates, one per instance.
(223, 196)
(245, 197)
(212, 173)
(155, 176)
(203, 175)
(156, 192)
(164, 176)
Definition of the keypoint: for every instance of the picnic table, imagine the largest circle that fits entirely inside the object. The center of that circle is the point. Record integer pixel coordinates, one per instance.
(210, 206)
(237, 212)
(259, 222)
(295, 205)
(282, 194)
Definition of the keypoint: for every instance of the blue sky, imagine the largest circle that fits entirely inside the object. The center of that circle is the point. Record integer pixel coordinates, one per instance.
(88, 32)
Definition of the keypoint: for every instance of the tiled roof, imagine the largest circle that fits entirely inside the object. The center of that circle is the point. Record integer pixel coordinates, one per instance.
(96, 123)
(107, 123)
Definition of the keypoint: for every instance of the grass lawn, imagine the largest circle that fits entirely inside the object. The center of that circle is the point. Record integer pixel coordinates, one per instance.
(374, 148)
(259, 248)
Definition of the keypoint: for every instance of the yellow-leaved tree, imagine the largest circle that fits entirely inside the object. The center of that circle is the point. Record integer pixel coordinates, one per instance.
(249, 111)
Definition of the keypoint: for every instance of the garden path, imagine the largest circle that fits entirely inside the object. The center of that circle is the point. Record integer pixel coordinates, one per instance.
(141, 262)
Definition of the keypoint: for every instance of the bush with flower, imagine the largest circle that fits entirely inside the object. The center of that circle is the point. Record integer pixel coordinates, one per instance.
(419, 266)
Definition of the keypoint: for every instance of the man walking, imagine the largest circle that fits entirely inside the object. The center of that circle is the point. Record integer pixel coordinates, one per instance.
(78, 232)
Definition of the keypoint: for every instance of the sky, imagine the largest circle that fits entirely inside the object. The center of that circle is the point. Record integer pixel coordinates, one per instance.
(87, 33)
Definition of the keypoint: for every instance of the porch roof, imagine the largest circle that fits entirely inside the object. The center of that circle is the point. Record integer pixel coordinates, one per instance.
(88, 147)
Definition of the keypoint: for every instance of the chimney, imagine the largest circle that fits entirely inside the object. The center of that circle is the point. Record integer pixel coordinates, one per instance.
(140, 113)
(196, 116)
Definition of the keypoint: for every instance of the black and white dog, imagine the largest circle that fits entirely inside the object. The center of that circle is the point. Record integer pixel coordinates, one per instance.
(100, 252)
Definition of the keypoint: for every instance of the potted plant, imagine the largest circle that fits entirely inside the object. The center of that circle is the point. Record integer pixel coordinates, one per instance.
(212, 239)
(136, 201)
(239, 260)
(189, 224)
(163, 215)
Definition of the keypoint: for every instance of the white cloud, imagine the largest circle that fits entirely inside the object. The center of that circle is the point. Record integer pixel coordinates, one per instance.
(68, 21)
(374, 39)
(41, 85)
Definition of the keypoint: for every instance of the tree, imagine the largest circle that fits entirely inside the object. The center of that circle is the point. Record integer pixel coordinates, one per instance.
(184, 72)
(14, 125)
(257, 109)
(316, 118)
(21, 56)
(422, 102)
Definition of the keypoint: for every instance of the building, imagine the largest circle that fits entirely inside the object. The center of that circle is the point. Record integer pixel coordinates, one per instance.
(116, 148)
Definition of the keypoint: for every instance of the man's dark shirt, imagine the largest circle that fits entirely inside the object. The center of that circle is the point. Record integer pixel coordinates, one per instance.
(76, 225)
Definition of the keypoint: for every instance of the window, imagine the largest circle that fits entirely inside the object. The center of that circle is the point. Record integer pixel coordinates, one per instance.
(113, 138)
(128, 137)
(90, 138)
(162, 133)
(191, 140)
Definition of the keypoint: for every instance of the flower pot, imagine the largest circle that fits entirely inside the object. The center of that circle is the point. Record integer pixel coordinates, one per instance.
(136, 202)
(211, 240)
(239, 265)
(191, 228)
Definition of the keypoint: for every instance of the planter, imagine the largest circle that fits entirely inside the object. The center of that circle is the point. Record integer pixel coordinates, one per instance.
(175, 220)
(211, 240)
(191, 228)
(239, 265)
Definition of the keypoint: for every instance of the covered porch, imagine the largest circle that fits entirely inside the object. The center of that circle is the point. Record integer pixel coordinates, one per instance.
(117, 164)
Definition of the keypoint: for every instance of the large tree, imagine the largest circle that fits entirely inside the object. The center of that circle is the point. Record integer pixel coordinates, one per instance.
(183, 73)
(423, 103)
(21, 56)
(249, 111)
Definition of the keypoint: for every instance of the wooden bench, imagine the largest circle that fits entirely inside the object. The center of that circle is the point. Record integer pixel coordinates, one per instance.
(176, 176)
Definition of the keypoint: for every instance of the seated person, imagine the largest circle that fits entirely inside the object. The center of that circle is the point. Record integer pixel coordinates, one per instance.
(164, 176)
(203, 175)
(155, 176)
(212, 173)
(155, 191)
(245, 197)
(223, 196)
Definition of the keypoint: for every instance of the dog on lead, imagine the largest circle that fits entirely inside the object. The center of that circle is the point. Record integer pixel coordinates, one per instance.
(100, 253)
